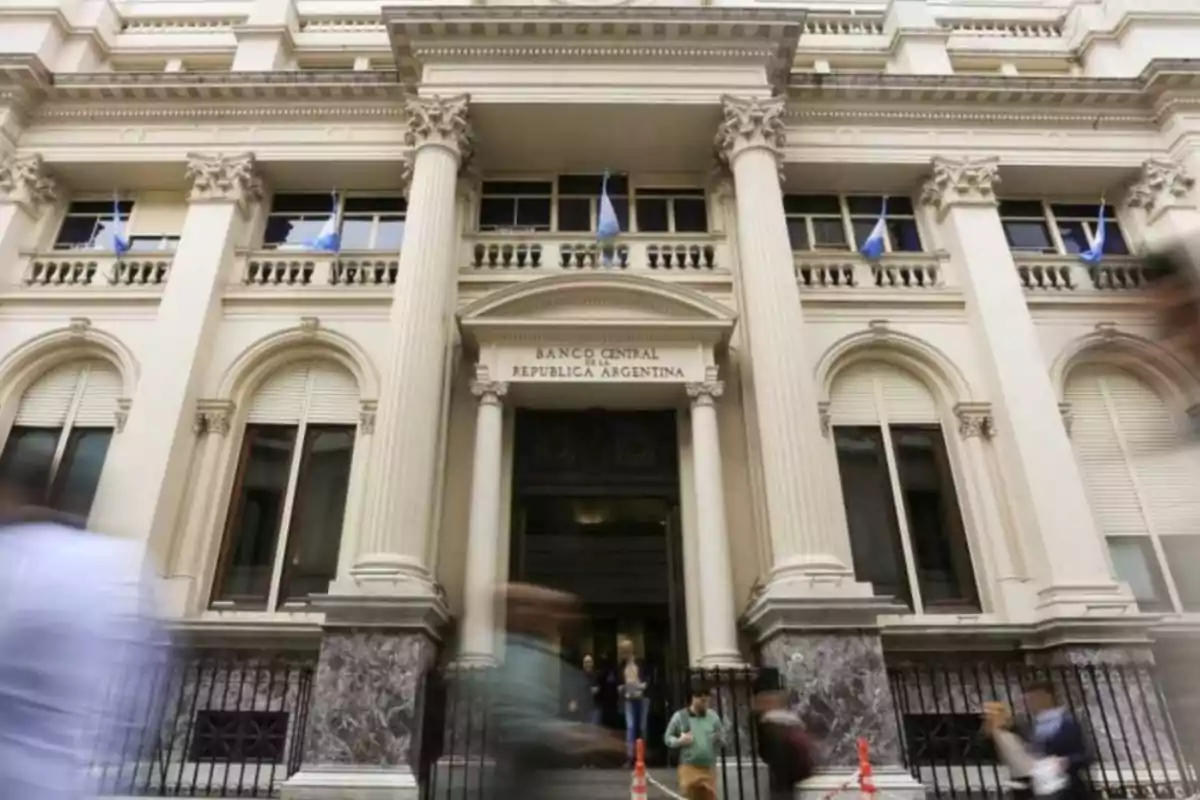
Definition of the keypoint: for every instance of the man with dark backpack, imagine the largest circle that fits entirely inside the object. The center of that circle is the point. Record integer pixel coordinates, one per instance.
(783, 745)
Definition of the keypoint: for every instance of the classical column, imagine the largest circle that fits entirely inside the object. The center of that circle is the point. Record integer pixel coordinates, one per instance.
(483, 532)
(398, 522)
(1053, 507)
(1163, 193)
(25, 189)
(145, 474)
(811, 549)
(718, 622)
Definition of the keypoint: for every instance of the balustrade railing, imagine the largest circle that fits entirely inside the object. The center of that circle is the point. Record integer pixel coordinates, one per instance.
(551, 252)
(278, 268)
(1051, 273)
(900, 271)
(76, 270)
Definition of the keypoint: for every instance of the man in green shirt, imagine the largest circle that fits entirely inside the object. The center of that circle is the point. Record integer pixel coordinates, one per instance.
(697, 732)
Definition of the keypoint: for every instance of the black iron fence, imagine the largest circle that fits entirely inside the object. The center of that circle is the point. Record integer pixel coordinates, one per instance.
(461, 741)
(1122, 709)
(206, 724)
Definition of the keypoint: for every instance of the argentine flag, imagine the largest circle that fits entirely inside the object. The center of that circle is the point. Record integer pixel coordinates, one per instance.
(607, 224)
(329, 239)
(1095, 254)
(874, 246)
(120, 242)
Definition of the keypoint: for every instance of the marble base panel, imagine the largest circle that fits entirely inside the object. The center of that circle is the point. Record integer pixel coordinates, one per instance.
(367, 715)
(838, 684)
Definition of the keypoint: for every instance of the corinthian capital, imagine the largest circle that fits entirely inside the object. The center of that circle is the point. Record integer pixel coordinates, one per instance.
(218, 178)
(961, 181)
(705, 393)
(439, 121)
(749, 123)
(23, 180)
(1163, 183)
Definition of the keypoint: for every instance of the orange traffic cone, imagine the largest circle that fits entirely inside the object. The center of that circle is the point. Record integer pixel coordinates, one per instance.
(866, 777)
(637, 790)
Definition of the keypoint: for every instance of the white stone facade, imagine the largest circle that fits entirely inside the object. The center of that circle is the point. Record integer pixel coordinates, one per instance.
(200, 114)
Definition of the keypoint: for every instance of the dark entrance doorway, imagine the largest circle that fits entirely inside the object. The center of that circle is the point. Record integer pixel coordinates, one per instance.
(596, 513)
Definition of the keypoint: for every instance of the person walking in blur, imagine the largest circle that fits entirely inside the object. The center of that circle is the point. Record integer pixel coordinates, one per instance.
(633, 681)
(583, 698)
(697, 732)
(783, 745)
(73, 616)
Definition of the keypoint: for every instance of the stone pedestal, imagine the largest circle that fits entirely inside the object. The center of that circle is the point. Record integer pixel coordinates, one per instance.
(367, 715)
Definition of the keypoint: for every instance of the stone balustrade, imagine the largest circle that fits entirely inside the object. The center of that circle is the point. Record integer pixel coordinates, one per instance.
(293, 269)
(76, 269)
(1042, 274)
(557, 252)
(850, 271)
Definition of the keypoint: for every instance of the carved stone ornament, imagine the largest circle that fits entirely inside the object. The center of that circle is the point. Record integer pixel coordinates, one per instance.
(749, 123)
(439, 121)
(705, 393)
(957, 181)
(217, 178)
(1163, 183)
(975, 420)
(213, 416)
(1068, 416)
(79, 326)
(824, 417)
(489, 392)
(23, 180)
(121, 415)
(366, 416)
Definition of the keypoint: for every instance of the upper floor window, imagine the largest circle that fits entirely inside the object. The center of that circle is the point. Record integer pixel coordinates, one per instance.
(833, 222)
(286, 511)
(1034, 226)
(571, 204)
(365, 222)
(906, 529)
(87, 225)
(153, 244)
(59, 439)
(1144, 489)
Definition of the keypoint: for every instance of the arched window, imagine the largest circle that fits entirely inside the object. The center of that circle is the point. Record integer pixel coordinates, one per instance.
(1143, 486)
(61, 432)
(906, 529)
(289, 498)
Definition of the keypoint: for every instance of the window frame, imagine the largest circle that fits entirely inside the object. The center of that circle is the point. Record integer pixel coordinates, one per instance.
(848, 218)
(1051, 220)
(125, 211)
(340, 216)
(65, 434)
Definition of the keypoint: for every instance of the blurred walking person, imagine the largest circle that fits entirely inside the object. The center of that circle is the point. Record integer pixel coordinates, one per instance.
(783, 745)
(73, 616)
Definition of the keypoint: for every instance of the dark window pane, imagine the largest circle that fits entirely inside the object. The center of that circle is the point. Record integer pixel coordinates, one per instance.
(1114, 240)
(870, 511)
(1135, 563)
(1076, 211)
(79, 473)
(864, 206)
(27, 459)
(591, 185)
(862, 229)
(691, 215)
(900, 205)
(255, 514)
(288, 231)
(905, 236)
(798, 233)
(652, 214)
(574, 214)
(356, 233)
(1073, 236)
(97, 208)
(935, 527)
(497, 212)
(1028, 236)
(390, 234)
(621, 208)
(517, 188)
(315, 532)
(811, 204)
(1022, 208)
(76, 232)
(533, 212)
(670, 192)
(829, 233)
(301, 203)
(1182, 554)
(375, 205)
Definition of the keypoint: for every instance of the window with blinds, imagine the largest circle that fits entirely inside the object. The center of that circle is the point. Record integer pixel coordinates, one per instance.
(56, 447)
(289, 498)
(1143, 487)
(906, 530)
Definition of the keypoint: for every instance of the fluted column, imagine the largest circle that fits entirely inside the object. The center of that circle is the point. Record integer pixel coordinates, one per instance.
(719, 619)
(145, 473)
(400, 501)
(483, 532)
(1055, 514)
(1164, 195)
(811, 550)
(25, 190)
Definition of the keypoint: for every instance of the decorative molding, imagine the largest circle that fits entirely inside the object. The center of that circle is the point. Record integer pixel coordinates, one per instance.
(79, 326)
(437, 121)
(975, 420)
(1107, 331)
(121, 415)
(25, 181)
(1163, 183)
(824, 417)
(750, 123)
(879, 328)
(221, 178)
(489, 392)
(705, 393)
(213, 416)
(309, 326)
(1068, 416)
(366, 416)
(961, 181)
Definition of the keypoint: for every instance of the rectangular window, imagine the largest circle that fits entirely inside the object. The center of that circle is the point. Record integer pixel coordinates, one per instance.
(364, 222)
(571, 204)
(267, 563)
(833, 222)
(239, 737)
(515, 206)
(671, 210)
(1077, 228)
(912, 458)
(1135, 563)
(1033, 226)
(87, 225)
(61, 464)
(579, 201)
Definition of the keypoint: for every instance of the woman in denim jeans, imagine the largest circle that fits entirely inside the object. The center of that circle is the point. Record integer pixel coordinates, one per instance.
(632, 681)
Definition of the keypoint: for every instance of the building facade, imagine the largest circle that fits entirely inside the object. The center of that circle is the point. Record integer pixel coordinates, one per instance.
(736, 438)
